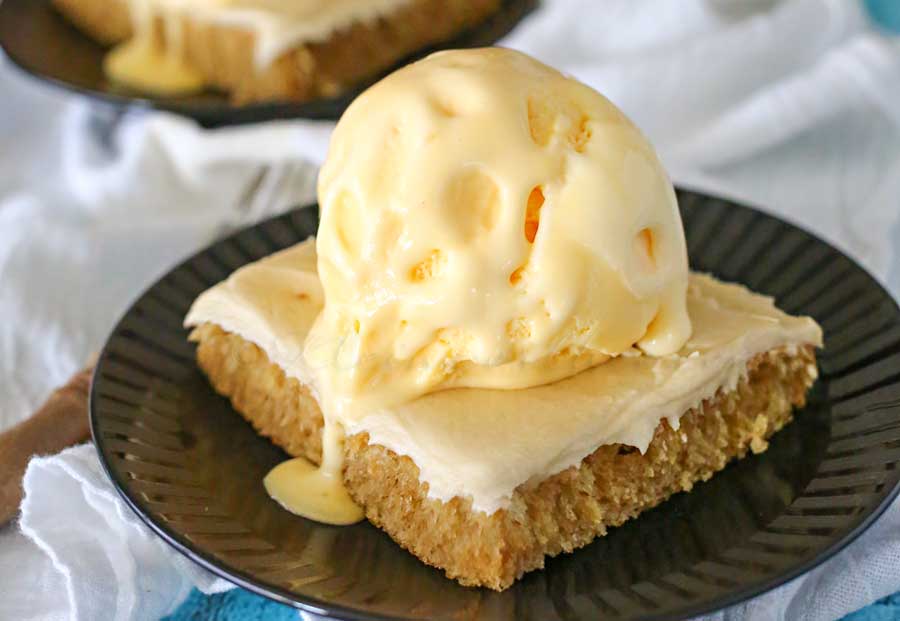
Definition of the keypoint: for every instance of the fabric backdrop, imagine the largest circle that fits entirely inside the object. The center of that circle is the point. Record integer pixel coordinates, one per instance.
(790, 105)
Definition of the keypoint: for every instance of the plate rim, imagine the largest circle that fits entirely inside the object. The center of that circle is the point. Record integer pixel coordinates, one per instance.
(326, 609)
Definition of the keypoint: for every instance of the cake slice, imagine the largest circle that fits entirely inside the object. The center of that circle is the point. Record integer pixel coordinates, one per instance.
(257, 50)
(485, 484)
(494, 347)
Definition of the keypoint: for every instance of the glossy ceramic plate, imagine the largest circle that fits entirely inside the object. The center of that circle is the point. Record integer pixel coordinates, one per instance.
(43, 43)
(192, 468)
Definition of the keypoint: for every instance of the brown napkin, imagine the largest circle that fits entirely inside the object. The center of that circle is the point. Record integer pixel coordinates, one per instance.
(62, 421)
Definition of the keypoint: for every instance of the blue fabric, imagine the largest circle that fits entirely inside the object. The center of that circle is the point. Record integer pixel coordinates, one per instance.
(241, 605)
(234, 605)
(887, 609)
(885, 13)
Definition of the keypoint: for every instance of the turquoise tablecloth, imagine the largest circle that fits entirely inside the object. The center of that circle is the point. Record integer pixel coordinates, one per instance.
(241, 605)
(887, 609)
(235, 605)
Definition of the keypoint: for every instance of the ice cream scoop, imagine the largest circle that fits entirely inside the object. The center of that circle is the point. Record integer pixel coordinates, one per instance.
(489, 222)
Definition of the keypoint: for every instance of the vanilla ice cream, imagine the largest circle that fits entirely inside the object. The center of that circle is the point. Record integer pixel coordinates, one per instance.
(489, 222)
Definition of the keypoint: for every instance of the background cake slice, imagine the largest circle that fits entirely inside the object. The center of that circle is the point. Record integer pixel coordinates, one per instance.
(235, 47)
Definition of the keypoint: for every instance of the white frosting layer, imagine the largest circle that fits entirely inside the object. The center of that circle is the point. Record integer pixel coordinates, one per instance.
(485, 443)
(278, 25)
(272, 303)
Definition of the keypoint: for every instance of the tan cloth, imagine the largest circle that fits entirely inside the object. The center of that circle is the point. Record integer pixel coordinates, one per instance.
(62, 421)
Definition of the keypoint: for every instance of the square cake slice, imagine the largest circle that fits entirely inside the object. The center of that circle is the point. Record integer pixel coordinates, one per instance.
(485, 484)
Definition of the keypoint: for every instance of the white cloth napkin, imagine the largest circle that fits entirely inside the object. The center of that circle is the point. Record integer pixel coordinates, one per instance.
(106, 559)
(788, 104)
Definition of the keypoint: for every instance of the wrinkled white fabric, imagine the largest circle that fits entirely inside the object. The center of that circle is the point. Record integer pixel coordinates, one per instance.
(103, 540)
(787, 104)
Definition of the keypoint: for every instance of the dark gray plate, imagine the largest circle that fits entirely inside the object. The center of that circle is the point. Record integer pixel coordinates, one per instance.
(43, 43)
(192, 468)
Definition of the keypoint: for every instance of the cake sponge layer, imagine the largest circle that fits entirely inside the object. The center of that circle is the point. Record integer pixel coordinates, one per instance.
(559, 514)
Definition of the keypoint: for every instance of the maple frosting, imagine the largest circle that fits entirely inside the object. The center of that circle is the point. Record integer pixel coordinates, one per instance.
(484, 443)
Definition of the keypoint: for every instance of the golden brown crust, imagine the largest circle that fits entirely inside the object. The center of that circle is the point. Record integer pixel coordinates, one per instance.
(563, 512)
(224, 54)
(279, 408)
(106, 21)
